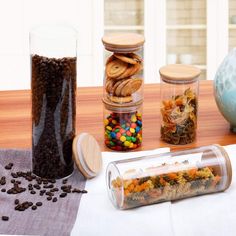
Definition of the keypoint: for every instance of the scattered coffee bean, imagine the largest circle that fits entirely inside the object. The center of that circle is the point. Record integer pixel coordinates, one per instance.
(34, 207)
(3, 180)
(49, 198)
(13, 181)
(64, 181)
(18, 182)
(84, 191)
(54, 199)
(17, 201)
(62, 195)
(14, 175)
(3, 190)
(30, 203)
(39, 203)
(32, 192)
(9, 166)
(5, 218)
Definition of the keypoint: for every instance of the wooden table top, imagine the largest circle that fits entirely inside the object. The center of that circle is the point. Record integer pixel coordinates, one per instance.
(15, 118)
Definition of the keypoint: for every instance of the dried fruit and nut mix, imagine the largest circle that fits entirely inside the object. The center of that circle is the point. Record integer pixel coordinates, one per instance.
(123, 128)
(123, 77)
(179, 103)
(179, 118)
(53, 115)
(133, 183)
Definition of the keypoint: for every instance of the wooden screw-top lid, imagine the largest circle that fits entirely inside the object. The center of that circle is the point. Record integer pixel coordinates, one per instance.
(87, 155)
(178, 73)
(123, 42)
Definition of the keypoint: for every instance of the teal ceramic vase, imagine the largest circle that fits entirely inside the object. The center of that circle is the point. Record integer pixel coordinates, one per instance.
(225, 89)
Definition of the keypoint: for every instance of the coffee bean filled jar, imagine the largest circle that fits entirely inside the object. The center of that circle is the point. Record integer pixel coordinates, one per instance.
(53, 86)
(179, 103)
(123, 126)
(169, 176)
(123, 75)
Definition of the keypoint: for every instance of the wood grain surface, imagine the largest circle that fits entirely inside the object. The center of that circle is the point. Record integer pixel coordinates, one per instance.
(15, 118)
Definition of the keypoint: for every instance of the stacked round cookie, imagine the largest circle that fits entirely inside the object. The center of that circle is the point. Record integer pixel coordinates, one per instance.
(122, 78)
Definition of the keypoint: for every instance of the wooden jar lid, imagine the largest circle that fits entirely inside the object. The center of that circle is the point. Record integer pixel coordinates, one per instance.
(178, 73)
(126, 42)
(87, 155)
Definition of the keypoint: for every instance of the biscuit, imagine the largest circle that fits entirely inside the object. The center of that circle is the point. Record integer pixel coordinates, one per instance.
(109, 84)
(121, 86)
(125, 58)
(115, 68)
(131, 87)
(120, 99)
(131, 70)
(115, 86)
(109, 59)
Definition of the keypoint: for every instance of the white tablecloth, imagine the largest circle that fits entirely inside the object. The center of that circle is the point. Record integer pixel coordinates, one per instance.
(213, 214)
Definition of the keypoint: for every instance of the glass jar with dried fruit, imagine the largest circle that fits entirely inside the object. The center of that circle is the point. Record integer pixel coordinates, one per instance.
(122, 126)
(53, 86)
(179, 103)
(168, 176)
(123, 77)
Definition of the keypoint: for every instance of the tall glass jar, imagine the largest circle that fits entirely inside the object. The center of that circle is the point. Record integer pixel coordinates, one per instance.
(123, 76)
(123, 126)
(170, 176)
(53, 85)
(179, 103)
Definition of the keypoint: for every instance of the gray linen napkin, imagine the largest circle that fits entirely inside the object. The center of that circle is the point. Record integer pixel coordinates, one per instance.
(52, 218)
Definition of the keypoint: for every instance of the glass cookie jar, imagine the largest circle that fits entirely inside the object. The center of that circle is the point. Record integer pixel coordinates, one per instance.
(123, 76)
(179, 103)
(122, 126)
(170, 176)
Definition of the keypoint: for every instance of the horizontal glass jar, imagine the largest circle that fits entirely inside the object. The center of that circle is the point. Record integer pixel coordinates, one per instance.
(123, 126)
(123, 76)
(170, 176)
(179, 103)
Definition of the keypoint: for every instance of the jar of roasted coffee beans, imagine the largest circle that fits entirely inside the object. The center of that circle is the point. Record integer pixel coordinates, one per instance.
(123, 76)
(123, 126)
(53, 86)
(179, 103)
(169, 176)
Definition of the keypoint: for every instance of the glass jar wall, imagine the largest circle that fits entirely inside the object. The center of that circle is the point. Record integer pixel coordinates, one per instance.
(53, 85)
(179, 103)
(170, 176)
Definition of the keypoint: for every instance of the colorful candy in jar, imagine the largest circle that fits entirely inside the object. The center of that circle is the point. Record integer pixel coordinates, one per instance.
(123, 131)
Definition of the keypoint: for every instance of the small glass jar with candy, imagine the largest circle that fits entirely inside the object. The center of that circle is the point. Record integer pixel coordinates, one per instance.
(122, 126)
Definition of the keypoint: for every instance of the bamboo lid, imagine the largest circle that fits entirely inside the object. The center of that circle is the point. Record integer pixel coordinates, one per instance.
(123, 42)
(178, 73)
(125, 107)
(87, 155)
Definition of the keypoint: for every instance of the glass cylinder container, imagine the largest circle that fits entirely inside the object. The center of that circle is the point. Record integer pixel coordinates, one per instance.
(53, 85)
(123, 126)
(179, 103)
(123, 76)
(170, 176)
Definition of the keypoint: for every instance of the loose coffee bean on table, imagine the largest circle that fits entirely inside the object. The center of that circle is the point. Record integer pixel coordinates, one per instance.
(5, 218)
(39, 203)
(53, 96)
(49, 198)
(17, 201)
(62, 195)
(9, 166)
(54, 199)
(3, 190)
(34, 207)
